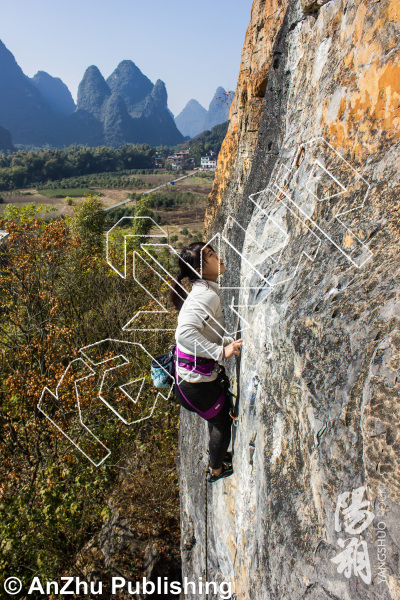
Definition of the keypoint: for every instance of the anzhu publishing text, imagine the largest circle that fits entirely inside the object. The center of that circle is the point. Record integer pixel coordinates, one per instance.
(74, 585)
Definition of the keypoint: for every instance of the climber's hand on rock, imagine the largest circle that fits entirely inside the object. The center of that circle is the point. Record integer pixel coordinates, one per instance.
(233, 349)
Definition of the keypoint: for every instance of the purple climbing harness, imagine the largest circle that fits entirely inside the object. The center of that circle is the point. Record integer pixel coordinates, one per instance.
(206, 368)
(198, 365)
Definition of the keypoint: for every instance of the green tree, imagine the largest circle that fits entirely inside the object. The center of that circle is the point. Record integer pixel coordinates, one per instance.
(143, 224)
(25, 213)
(196, 152)
(88, 221)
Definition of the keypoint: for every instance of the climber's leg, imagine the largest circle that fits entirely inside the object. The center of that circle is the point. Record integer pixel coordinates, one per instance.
(219, 428)
(203, 396)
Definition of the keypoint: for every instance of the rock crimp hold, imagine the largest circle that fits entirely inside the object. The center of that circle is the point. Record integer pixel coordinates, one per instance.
(312, 6)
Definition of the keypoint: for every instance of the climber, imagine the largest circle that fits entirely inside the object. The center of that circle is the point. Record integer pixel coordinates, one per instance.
(200, 344)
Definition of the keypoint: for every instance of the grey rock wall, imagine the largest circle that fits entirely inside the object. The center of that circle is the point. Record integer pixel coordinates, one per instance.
(316, 224)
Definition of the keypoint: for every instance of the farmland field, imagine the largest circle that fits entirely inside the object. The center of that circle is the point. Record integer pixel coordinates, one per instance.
(173, 219)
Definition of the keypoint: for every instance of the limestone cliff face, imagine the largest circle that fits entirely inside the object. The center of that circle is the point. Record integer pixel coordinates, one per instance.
(235, 156)
(307, 195)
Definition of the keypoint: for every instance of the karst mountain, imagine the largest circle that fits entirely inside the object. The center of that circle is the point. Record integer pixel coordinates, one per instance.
(125, 108)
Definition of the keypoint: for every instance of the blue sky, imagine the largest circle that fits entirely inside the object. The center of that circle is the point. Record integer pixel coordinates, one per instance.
(193, 46)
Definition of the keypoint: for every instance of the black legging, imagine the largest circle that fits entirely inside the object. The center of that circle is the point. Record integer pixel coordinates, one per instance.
(203, 395)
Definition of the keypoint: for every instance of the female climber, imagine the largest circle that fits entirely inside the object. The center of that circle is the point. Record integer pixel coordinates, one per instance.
(200, 344)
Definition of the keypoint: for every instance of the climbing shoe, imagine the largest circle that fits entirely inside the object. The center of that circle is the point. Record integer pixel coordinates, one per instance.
(226, 471)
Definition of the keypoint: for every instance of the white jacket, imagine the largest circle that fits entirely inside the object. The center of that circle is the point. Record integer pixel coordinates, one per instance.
(201, 328)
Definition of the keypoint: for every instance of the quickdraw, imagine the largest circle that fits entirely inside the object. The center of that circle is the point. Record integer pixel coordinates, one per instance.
(234, 416)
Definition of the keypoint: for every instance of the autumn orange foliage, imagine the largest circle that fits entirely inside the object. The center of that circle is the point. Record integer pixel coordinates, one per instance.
(58, 296)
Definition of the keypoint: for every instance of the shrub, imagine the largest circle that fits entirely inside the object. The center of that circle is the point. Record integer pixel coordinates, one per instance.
(25, 213)
(88, 221)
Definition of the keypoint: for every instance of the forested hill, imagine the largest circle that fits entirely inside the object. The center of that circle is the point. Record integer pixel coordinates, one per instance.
(207, 141)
